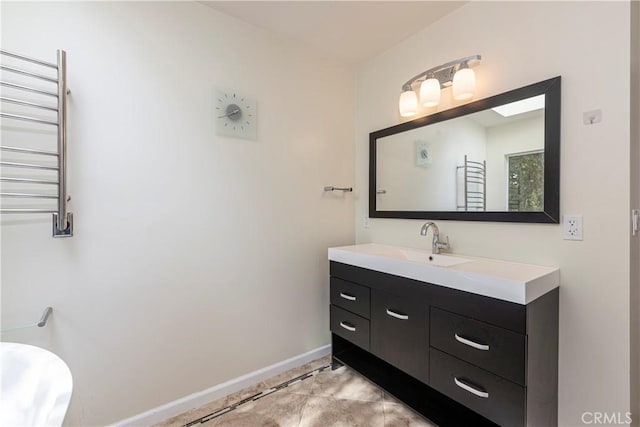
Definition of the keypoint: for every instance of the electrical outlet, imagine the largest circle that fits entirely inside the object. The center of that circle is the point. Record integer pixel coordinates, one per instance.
(572, 225)
(366, 223)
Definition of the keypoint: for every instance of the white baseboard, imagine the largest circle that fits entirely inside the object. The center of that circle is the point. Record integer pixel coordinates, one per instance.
(200, 398)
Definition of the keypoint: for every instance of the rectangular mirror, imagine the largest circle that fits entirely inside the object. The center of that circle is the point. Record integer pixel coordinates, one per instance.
(496, 159)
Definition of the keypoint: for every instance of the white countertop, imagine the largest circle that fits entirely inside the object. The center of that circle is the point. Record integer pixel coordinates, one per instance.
(508, 281)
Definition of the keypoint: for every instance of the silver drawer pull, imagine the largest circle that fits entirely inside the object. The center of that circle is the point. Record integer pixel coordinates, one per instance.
(347, 296)
(470, 343)
(397, 315)
(348, 327)
(470, 389)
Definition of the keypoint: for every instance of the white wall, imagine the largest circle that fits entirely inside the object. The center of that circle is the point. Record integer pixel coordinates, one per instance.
(196, 258)
(634, 157)
(523, 43)
(433, 186)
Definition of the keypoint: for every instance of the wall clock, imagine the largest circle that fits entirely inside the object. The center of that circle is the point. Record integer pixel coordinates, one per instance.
(235, 114)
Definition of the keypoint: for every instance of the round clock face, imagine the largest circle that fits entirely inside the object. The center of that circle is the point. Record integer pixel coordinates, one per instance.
(235, 115)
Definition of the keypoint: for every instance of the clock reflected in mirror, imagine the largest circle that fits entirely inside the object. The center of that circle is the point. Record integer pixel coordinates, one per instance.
(423, 153)
(235, 114)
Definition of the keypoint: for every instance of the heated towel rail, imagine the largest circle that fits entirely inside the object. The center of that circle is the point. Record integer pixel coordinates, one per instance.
(474, 186)
(22, 99)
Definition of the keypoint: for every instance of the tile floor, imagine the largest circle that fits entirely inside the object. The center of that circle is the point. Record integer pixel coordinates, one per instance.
(340, 398)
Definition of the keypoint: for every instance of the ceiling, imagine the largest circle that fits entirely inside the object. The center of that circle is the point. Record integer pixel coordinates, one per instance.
(350, 31)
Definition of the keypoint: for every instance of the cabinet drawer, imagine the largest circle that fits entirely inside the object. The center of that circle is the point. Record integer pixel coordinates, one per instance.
(495, 398)
(399, 333)
(350, 296)
(495, 349)
(349, 326)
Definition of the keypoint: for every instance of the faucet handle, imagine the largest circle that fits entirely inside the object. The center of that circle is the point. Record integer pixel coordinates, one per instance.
(443, 245)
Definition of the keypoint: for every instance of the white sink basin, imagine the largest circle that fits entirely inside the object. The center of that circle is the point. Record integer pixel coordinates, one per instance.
(36, 386)
(438, 260)
(508, 281)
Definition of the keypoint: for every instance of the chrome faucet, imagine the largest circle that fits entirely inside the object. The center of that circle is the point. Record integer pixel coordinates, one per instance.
(437, 244)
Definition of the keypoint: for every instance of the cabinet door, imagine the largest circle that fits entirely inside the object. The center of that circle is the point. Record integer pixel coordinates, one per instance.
(399, 333)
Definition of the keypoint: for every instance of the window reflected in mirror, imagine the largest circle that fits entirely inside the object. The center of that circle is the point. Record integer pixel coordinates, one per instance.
(526, 178)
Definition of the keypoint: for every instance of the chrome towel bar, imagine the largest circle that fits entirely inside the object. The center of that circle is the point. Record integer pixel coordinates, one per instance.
(29, 195)
(27, 103)
(28, 89)
(28, 73)
(332, 188)
(28, 59)
(28, 150)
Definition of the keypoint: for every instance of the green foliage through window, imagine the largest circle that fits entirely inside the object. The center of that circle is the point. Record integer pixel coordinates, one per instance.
(526, 182)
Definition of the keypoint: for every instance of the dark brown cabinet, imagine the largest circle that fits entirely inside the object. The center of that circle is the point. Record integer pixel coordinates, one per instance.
(489, 395)
(399, 333)
(456, 357)
(489, 347)
(350, 327)
(351, 297)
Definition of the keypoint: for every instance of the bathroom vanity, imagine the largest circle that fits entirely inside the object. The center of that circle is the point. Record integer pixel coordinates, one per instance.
(464, 341)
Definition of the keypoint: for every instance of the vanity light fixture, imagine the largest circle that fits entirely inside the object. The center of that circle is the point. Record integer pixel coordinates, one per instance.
(455, 73)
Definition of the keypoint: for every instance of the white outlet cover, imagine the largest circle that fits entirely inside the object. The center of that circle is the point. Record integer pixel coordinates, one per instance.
(572, 227)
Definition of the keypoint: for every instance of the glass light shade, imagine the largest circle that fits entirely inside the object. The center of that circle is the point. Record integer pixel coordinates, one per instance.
(430, 92)
(464, 84)
(408, 104)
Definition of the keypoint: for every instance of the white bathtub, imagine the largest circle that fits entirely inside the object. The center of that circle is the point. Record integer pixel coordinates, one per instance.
(36, 386)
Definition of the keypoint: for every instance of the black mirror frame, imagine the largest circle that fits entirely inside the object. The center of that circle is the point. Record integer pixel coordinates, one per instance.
(551, 213)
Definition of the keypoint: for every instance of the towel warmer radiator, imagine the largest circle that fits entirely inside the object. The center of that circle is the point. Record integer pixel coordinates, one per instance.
(32, 98)
(474, 186)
